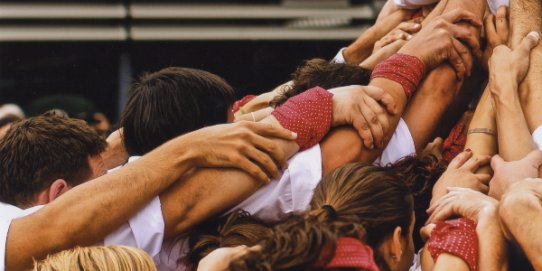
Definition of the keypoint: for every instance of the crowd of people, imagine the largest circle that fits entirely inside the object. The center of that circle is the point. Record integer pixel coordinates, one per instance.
(415, 148)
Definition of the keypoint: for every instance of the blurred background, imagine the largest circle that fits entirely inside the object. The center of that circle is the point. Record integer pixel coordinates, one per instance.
(84, 53)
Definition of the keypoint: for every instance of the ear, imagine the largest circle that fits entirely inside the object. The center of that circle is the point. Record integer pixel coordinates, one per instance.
(57, 188)
(396, 248)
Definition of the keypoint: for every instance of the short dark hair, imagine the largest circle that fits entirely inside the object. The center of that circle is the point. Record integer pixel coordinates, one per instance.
(37, 151)
(171, 102)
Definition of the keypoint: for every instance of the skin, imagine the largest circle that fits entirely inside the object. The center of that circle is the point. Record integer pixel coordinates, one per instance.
(122, 193)
(521, 214)
(483, 210)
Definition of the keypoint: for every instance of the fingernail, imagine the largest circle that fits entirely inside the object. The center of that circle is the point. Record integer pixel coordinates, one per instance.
(534, 34)
(409, 37)
(372, 146)
(417, 25)
(294, 135)
(468, 150)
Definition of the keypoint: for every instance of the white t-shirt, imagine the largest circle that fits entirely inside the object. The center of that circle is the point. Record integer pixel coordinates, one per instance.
(145, 230)
(7, 214)
(537, 137)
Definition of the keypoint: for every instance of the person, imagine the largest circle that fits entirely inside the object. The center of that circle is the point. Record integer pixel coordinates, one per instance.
(115, 258)
(77, 219)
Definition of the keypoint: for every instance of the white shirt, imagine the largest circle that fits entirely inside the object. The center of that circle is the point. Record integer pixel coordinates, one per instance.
(7, 214)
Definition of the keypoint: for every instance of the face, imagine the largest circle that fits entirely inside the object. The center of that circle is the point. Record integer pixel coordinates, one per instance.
(97, 166)
(408, 248)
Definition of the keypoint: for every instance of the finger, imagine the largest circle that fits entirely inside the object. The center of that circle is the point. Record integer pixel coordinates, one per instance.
(459, 14)
(264, 160)
(382, 97)
(463, 34)
(374, 125)
(380, 114)
(256, 115)
(496, 162)
(457, 63)
(460, 159)
(272, 149)
(491, 32)
(443, 213)
(437, 143)
(360, 124)
(484, 178)
(474, 163)
(529, 42)
(252, 169)
(425, 232)
(465, 55)
(410, 28)
(482, 188)
(501, 24)
(269, 131)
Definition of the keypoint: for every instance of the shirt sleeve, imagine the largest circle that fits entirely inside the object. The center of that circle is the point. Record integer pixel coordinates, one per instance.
(145, 230)
(339, 58)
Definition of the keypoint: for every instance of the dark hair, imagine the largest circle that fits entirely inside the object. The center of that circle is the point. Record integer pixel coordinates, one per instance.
(235, 229)
(171, 102)
(37, 151)
(420, 173)
(369, 202)
(320, 72)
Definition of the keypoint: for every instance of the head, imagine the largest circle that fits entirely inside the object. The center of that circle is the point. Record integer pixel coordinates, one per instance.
(372, 204)
(171, 102)
(113, 258)
(236, 229)
(320, 72)
(44, 156)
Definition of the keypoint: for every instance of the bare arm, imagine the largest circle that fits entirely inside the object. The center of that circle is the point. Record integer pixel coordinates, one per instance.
(87, 213)
(521, 217)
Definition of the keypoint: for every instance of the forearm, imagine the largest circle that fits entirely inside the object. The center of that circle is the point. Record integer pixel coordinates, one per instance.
(515, 140)
(88, 212)
(445, 261)
(207, 192)
(483, 143)
(492, 243)
(427, 107)
(521, 217)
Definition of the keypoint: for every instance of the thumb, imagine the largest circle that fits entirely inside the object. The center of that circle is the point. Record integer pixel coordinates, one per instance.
(496, 161)
(529, 41)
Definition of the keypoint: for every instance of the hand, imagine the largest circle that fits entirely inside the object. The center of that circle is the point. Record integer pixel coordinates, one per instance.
(508, 173)
(462, 202)
(461, 173)
(403, 32)
(440, 41)
(434, 148)
(360, 106)
(244, 145)
(220, 258)
(497, 33)
(506, 63)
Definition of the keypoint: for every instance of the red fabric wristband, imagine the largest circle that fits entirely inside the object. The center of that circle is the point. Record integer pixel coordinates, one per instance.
(403, 69)
(454, 143)
(237, 105)
(457, 237)
(308, 114)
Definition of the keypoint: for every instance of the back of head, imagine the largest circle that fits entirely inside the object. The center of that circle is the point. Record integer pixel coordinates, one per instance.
(236, 229)
(98, 258)
(322, 73)
(171, 102)
(39, 150)
(373, 196)
(358, 200)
